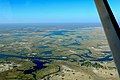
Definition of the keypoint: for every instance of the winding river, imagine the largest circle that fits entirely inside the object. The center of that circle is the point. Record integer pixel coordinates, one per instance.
(40, 65)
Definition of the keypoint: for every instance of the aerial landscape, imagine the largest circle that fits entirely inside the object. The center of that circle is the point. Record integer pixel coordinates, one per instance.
(53, 40)
(55, 52)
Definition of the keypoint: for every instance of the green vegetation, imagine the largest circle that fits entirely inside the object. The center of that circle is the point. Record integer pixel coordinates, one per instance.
(90, 64)
(17, 72)
(25, 77)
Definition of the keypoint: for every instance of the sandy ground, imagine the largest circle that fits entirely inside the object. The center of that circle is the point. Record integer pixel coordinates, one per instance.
(106, 73)
(68, 73)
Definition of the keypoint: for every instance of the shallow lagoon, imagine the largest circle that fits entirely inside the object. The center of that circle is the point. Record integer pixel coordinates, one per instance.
(39, 65)
(47, 52)
(55, 33)
(45, 46)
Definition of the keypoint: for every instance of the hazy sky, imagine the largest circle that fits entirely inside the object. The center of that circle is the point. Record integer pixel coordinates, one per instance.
(52, 11)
